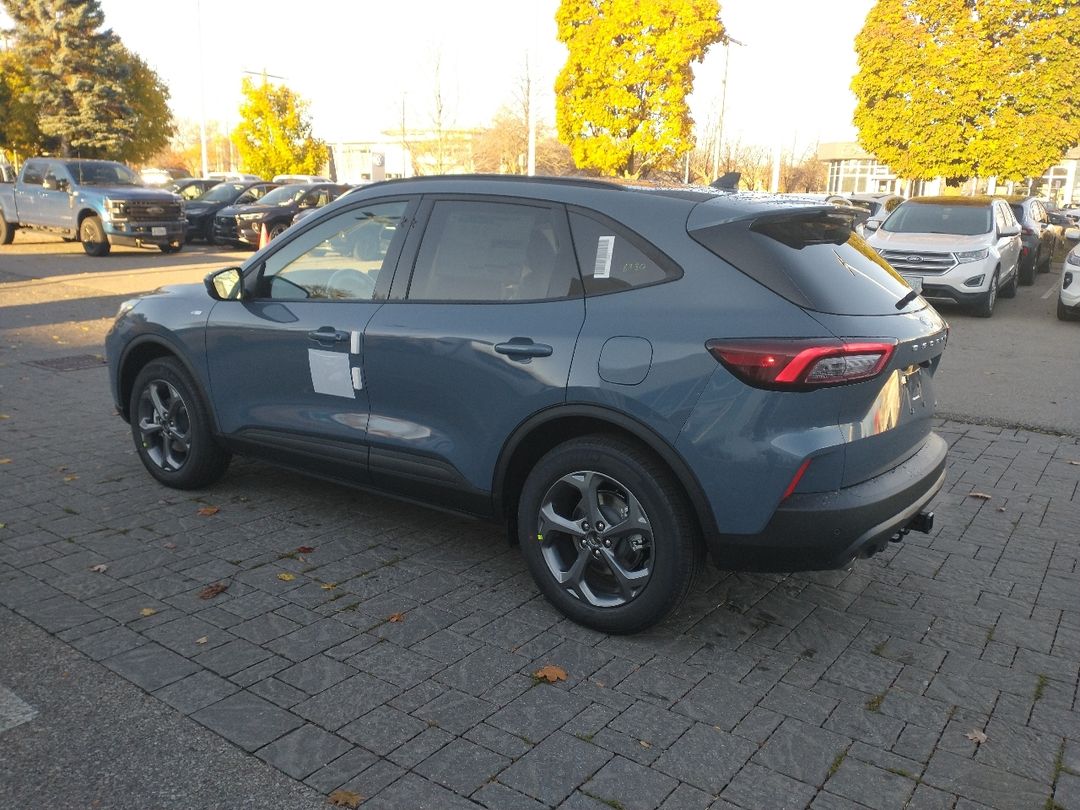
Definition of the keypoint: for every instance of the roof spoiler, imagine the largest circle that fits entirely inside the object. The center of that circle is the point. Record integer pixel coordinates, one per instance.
(729, 182)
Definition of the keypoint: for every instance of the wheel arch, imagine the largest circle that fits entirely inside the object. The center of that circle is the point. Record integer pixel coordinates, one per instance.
(544, 430)
(144, 350)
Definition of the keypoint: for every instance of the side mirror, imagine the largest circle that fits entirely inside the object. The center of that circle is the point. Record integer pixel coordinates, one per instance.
(1072, 233)
(872, 224)
(50, 184)
(225, 285)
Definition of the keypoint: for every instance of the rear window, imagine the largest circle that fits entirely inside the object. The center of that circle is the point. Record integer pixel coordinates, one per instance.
(813, 259)
(958, 220)
(1018, 210)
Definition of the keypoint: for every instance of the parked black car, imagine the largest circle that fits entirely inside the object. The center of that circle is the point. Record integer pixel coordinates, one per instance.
(201, 211)
(1037, 237)
(191, 188)
(241, 225)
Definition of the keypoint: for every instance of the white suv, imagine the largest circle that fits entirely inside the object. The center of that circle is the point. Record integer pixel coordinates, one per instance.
(962, 250)
(1068, 307)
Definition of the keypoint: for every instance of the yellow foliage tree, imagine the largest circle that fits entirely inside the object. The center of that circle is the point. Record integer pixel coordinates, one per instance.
(274, 134)
(621, 96)
(966, 88)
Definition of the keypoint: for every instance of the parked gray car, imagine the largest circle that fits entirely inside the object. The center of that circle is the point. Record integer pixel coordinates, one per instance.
(627, 377)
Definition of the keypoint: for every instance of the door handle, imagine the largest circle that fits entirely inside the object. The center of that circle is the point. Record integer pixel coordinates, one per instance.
(327, 334)
(523, 347)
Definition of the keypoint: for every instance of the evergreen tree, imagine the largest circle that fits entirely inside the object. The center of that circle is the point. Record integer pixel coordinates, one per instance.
(274, 134)
(77, 74)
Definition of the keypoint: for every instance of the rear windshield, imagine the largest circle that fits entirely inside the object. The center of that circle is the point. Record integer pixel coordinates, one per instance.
(959, 220)
(813, 259)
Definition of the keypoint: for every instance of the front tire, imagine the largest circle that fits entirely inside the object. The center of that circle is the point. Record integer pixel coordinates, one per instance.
(607, 534)
(1008, 290)
(1063, 313)
(171, 428)
(172, 247)
(985, 307)
(276, 231)
(92, 236)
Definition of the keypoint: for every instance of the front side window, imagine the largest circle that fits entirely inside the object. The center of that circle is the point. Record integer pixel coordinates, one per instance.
(34, 173)
(492, 251)
(341, 259)
(611, 259)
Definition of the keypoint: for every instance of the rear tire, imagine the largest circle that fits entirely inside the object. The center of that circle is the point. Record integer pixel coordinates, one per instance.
(608, 534)
(985, 307)
(170, 424)
(93, 238)
(7, 231)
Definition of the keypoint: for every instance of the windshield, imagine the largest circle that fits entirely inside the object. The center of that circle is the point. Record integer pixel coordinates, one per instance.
(959, 220)
(285, 195)
(223, 193)
(101, 173)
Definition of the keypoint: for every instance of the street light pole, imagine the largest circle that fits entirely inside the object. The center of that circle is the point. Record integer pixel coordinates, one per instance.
(728, 42)
(202, 91)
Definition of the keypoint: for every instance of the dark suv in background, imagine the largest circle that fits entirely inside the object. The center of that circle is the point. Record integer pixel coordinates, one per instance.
(1038, 238)
(241, 225)
(201, 211)
(628, 377)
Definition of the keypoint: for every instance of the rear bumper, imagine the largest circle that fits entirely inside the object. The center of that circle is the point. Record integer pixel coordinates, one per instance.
(823, 530)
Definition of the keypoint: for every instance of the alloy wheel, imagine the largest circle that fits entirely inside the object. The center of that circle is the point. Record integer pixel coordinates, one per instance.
(164, 425)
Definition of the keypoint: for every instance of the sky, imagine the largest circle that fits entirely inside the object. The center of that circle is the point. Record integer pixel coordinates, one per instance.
(359, 63)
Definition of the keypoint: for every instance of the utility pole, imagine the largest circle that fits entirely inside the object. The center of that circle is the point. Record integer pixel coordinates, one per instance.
(202, 92)
(728, 42)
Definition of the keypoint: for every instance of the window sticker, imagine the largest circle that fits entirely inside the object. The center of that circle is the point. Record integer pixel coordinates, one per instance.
(605, 246)
(330, 373)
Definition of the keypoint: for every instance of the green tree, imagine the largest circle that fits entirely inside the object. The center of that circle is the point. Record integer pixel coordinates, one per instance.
(965, 88)
(274, 134)
(76, 72)
(152, 120)
(19, 131)
(621, 96)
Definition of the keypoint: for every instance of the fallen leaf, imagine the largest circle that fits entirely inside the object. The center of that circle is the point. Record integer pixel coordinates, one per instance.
(982, 496)
(550, 673)
(71, 477)
(169, 546)
(285, 576)
(202, 640)
(645, 744)
(5, 460)
(99, 569)
(345, 798)
(207, 511)
(328, 586)
(396, 617)
(305, 549)
(3, 525)
(1074, 463)
(976, 736)
(147, 612)
(210, 591)
(1001, 508)
(4, 416)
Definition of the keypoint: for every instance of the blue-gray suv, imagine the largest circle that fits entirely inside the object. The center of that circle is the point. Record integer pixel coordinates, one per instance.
(629, 377)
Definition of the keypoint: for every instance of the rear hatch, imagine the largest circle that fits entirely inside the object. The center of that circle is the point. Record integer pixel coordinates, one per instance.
(812, 257)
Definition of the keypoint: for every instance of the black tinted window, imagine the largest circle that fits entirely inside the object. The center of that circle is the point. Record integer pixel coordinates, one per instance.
(813, 259)
(490, 251)
(33, 174)
(611, 259)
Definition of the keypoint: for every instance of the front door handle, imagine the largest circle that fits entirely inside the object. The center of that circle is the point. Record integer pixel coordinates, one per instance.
(523, 347)
(327, 334)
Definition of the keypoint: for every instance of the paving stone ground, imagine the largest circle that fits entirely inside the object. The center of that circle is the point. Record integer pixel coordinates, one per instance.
(395, 657)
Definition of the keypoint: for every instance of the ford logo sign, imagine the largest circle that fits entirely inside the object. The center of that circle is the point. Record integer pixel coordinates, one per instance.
(913, 259)
(155, 210)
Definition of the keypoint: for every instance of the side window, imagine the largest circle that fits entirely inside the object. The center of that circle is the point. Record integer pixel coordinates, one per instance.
(492, 251)
(58, 177)
(34, 173)
(613, 259)
(1040, 213)
(1001, 218)
(339, 260)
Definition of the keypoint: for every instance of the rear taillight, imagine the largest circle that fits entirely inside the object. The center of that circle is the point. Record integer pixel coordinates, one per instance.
(799, 365)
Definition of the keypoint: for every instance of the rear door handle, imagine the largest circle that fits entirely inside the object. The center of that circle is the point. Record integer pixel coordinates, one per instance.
(327, 334)
(519, 347)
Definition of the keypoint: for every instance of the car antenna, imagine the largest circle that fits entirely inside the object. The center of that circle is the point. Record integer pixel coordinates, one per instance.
(729, 182)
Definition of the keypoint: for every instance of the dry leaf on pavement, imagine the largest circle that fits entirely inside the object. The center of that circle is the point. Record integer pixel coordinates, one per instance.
(976, 736)
(396, 617)
(147, 612)
(5, 460)
(99, 569)
(285, 576)
(345, 798)
(982, 496)
(202, 640)
(305, 549)
(328, 586)
(71, 477)
(210, 591)
(207, 511)
(169, 546)
(550, 673)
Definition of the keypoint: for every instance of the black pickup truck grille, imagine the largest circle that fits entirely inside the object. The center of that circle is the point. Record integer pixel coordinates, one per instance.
(152, 211)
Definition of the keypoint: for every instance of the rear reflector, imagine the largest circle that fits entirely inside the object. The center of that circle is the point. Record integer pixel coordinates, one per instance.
(801, 364)
(795, 481)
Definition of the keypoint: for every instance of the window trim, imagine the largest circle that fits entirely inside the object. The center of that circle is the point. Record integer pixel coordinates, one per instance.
(665, 262)
(252, 274)
(411, 249)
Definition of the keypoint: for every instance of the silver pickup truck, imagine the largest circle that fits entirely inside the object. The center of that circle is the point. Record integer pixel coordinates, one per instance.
(97, 202)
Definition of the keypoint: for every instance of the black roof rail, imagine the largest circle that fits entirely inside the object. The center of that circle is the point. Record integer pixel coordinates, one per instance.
(589, 182)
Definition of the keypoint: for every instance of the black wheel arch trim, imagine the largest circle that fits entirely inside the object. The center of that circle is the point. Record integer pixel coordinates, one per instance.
(640, 431)
(173, 351)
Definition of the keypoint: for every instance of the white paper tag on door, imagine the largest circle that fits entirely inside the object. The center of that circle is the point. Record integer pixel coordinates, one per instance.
(605, 246)
(331, 373)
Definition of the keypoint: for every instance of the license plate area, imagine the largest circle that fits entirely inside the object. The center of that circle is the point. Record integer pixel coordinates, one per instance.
(158, 231)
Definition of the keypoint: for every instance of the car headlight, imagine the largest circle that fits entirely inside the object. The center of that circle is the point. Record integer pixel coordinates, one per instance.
(1073, 257)
(115, 209)
(126, 307)
(965, 256)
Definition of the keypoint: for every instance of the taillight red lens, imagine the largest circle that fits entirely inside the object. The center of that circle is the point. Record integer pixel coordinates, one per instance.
(802, 364)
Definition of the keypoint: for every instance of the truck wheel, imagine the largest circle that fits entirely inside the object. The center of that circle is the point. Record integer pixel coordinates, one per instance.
(93, 238)
(7, 231)
(172, 247)
(607, 534)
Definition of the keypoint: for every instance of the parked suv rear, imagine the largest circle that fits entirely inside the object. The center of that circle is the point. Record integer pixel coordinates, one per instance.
(963, 250)
(1038, 239)
(628, 377)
